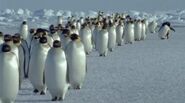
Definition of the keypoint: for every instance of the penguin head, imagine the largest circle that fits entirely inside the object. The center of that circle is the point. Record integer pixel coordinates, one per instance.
(66, 32)
(74, 37)
(57, 44)
(6, 48)
(24, 23)
(32, 31)
(16, 38)
(104, 26)
(43, 40)
(7, 38)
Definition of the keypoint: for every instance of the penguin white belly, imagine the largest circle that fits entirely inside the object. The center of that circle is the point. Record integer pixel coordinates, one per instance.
(86, 38)
(9, 77)
(56, 72)
(22, 71)
(137, 32)
(163, 32)
(95, 36)
(36, 66)
(119, 34)
(129, 36)
(143, 33)
(24, 32)
(111, 38)
(102, 42)
(55, 37)
(65, 41)
(76, 59)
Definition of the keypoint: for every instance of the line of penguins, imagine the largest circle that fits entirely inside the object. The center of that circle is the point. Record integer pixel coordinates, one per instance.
(54, 59)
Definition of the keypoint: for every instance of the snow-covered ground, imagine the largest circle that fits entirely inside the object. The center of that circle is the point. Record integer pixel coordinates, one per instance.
(150, 71)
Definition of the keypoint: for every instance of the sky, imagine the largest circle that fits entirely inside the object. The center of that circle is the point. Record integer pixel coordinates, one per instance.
(105, 5)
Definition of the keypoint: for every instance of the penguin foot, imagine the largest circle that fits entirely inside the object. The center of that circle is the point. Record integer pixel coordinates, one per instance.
(119, 44)
(26, 76)
(42, 93)
(60, 99)
(35, 91)
(78, 87)
(54, 99)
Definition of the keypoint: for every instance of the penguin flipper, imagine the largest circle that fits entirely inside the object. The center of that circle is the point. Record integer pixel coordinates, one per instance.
(172, 29)
(67, 74)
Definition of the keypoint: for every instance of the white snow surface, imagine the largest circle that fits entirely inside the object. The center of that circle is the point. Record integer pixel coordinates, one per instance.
(150, 71)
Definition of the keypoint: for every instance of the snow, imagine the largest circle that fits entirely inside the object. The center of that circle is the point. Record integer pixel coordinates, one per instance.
(150, 71)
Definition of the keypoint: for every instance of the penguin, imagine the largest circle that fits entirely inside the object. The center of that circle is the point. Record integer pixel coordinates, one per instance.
(146, 26)
(76, 62)
(129, 32)
(21, 51)
(74, 30)
(152, 26)
(54, 35)
(37, 64)
(56, 72)
(1, 38)
(164, 30)
(102, 41)
(111, 36)
(24, 31)
(9, 75)
(78, 25)
(65, 38)
(137, 30)
(143, 31)
(119, 33)
(60, 20)
(95, 34)
(86, 38)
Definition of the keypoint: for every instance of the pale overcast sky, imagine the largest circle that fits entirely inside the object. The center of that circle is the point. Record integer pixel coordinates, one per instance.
(105, 5)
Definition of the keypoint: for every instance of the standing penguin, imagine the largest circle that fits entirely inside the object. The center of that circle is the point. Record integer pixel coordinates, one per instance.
(56, 72)
(119, 33)
(102, 41)
(96, 33)
(143, 31)
(164, 30)
(60, 20)
(9, 75)
(152, 26)
(65, 38)
(86, 38)
(111, 36)
(76, 60)
(129, 32)
(36, 66)
(1, 38)
(24, 31)
(138, 30)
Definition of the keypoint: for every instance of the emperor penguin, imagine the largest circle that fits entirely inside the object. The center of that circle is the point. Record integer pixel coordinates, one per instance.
(143, 31)
(78, 25)
(65, 38)
(74, 30)
(1, 38)
(111, 36)
(60, 20)
(119, 33)
(21, 58)
(86, 38)
(138, 30)
(24, 31)
(102, 41)
(37, 65)
(54, 35)
(9, 75)
(95, 33)
(129, 32)
(164, 31)
(56, 72)
(146, 26)
(76, 62)
(152, 26)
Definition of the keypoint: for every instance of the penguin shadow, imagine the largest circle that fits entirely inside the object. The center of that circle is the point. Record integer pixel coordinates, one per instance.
(33, 101)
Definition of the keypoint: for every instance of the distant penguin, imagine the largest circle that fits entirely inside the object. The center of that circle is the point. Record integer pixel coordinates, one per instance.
(65, 38)
(54, 35)
(56, 72)
(146, 26)
(95, 34)
(76, 60)
(164, 31)
(60, 20)
(129, 32)
(24, 31)
(111, 36)
(102, 41)
(119, 33)
(152, 26)
(86, 38)
(37, 64)
(74, 30)
(143, 31)
(9, 75)
(78, 25)
(1, 38)
(138, 30)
